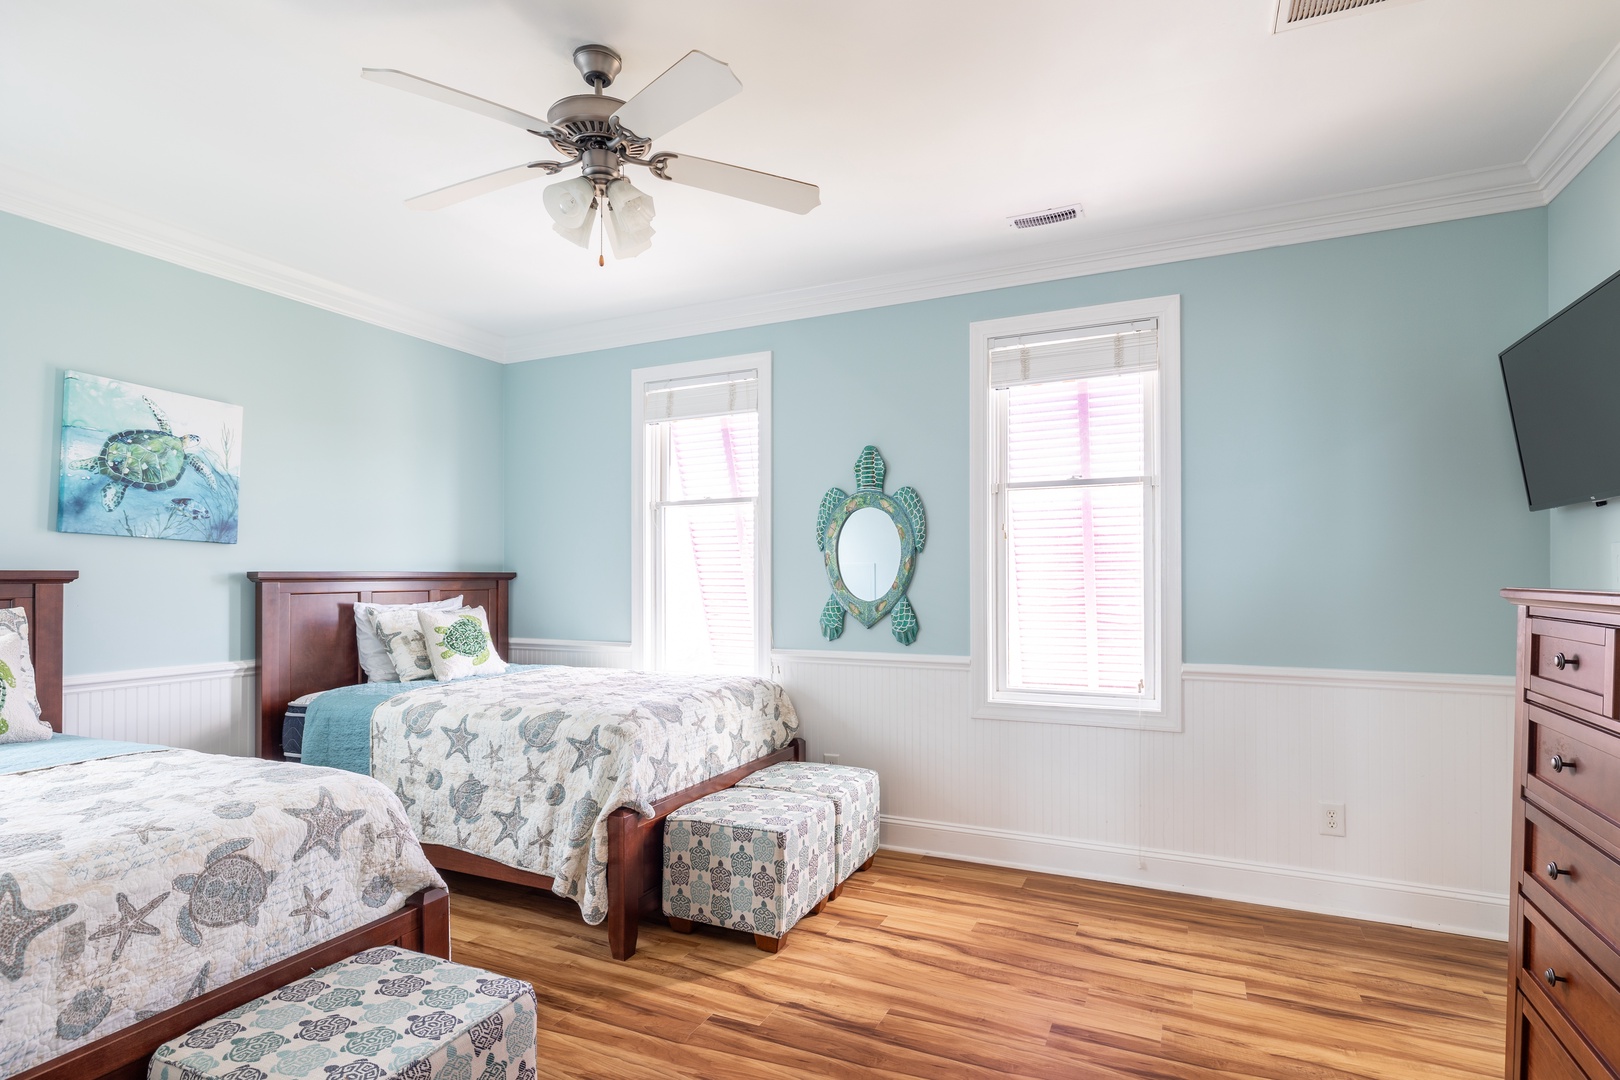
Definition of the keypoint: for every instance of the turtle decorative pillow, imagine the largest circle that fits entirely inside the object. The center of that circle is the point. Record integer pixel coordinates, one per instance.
(401, 635)
(21, 719)
(374, 658)
(459, 644)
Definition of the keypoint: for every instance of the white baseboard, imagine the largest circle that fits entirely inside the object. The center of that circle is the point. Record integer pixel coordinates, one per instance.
(1457, 911)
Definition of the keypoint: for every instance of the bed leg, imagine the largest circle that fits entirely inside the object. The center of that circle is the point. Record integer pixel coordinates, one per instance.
(436, 923)
(624, 883)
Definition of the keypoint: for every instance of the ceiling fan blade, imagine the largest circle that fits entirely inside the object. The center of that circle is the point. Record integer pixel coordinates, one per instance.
(478, 185)
(695, 84)
(741, 183)
(399, 80)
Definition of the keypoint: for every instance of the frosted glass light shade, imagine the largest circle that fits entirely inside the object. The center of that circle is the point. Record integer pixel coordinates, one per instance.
(633, 208)
(569, 202)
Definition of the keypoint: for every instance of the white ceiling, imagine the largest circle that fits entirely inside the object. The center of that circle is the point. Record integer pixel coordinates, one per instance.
(238, 136)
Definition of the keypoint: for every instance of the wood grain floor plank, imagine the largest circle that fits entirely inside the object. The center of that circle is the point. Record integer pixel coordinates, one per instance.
(930, 968)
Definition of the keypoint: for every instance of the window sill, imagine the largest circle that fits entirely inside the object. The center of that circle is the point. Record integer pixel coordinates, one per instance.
(1154, 719)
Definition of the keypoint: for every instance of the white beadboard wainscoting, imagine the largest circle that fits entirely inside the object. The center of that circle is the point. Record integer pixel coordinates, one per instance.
(209, 707)
(1226, 807)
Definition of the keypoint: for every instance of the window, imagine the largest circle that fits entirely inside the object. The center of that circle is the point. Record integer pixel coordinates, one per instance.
(1075, 516)
(701, 443)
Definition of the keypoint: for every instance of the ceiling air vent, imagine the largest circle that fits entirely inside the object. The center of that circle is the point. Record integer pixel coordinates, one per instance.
(1051, 216)
(1295, 13)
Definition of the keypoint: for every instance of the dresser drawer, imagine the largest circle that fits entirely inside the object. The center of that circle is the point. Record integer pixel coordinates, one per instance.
(1575, 770)
(1576, 875)
(1574, 663)
(1586, 999)
(1541, 1057)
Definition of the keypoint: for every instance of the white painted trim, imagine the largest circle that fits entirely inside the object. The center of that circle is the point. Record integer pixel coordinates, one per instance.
(567, 645)
(124, 680)
(1579, 133)
(30, 197)
(641, 614)
(869, 659)
(1491, 685)
(1164, 590)
(1458, 911)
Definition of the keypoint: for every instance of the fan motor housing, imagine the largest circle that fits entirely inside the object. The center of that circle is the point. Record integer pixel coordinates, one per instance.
(583, 115)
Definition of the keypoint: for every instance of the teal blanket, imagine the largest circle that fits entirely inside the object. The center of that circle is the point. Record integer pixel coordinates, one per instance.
(64, 750)
(337, 725)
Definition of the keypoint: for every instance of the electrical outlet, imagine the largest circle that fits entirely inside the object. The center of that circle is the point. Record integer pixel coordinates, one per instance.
(1330, 818)
(829, 759)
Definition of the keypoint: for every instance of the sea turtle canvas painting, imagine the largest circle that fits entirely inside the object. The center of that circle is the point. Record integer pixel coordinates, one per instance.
(137, 461)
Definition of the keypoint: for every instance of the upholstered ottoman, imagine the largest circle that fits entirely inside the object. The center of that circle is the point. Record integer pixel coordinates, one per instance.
(854, 795)
(749, 859)
(384, 1014)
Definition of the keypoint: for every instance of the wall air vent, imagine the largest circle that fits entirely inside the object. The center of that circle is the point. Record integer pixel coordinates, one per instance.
(1292, 14)
(1050, 216)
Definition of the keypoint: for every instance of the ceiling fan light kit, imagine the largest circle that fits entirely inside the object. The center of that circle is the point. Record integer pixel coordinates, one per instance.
(601, 135)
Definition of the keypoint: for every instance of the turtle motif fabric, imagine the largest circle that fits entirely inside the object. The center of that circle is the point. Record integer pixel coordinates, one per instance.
(383, 1014)
(749, 859)
(459, 643)
(525, 768)
(853, 793)
(131, 883)
(21, 719)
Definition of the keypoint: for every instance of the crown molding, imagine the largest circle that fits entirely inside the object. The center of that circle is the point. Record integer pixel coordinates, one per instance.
(1423, 202)
(1581, 131)
(31, 197)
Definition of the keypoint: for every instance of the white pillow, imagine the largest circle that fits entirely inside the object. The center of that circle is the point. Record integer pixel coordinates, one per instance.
(373, 652)
(21, 719)
(460, 645)
(401, 634)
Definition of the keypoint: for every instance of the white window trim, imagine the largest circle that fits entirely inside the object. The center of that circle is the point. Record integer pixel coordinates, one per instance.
(642, 613)
(987, 703)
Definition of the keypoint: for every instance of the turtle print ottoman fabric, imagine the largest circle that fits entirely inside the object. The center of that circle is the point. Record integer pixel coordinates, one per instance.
(130, 884)
(749, 859)
(853, 793)
(384, 1014)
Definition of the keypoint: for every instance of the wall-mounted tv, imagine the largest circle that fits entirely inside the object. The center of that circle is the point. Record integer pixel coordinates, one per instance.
(1563, 389)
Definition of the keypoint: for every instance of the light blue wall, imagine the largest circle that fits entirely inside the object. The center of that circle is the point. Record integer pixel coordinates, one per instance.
(1351, 496)
(362, 448)
(1583, 248)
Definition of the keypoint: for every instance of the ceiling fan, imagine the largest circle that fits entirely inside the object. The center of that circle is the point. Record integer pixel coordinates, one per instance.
(602, 135)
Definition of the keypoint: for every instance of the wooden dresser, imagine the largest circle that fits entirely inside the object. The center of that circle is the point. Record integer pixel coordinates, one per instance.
(1564, 984)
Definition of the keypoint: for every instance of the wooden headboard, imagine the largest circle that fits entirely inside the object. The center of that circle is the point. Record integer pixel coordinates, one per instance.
(39, 593)
(306, 628)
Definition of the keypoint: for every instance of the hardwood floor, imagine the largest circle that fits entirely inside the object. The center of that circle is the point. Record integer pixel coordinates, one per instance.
(930, 968)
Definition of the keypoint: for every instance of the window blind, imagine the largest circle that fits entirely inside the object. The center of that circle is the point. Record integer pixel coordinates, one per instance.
(1060, 355)
(702, 395)
(1076, 534)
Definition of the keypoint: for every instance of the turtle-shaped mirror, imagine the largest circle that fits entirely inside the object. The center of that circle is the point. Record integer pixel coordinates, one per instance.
(870, 542)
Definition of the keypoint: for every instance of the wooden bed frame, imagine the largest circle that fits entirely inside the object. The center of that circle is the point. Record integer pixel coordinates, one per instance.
(423, 924)
(307, 643)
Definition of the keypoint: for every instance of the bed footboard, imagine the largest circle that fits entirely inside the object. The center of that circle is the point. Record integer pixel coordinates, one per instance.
(422, 925)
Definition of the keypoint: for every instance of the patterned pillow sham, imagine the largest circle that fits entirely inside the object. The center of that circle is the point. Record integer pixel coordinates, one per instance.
(401, 635)
(460, 644)
(21, 719)
(374, 658)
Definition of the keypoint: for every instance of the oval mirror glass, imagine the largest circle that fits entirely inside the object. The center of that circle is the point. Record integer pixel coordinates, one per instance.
(868, 553)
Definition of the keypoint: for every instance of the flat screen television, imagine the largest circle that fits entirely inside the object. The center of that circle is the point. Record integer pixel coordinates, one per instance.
(1563, 389)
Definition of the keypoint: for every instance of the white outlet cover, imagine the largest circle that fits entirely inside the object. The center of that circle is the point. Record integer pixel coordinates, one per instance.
(1330, 819)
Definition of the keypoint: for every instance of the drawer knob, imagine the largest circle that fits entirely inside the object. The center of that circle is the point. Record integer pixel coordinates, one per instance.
(1555, 871)
(1559, 763)
(1553, 978)
(1561, 661)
